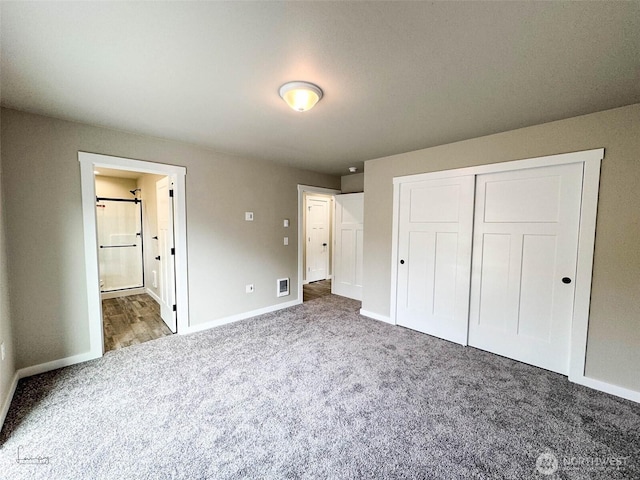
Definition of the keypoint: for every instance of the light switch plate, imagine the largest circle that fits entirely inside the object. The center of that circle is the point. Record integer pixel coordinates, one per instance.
(286, 240)
(248, 216)
(286, 222)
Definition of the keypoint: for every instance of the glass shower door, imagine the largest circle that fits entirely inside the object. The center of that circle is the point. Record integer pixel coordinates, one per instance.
(120, 243)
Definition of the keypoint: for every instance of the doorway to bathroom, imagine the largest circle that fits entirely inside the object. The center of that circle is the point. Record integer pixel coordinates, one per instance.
(132, 232)
(135, 250)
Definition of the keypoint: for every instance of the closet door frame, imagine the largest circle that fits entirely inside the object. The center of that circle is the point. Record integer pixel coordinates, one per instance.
(591, 160)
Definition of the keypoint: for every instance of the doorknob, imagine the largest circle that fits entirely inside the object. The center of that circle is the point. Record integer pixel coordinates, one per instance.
(158, 257)
(566, 280)
(401, 262)
(324, 244)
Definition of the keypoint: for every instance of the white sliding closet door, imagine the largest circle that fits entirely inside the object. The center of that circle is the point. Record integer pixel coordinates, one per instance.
(347, 253)
(434, 256)
(524, 263)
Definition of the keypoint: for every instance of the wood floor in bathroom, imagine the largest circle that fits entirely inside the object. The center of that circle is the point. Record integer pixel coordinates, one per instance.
(314, 290)
(131, 320)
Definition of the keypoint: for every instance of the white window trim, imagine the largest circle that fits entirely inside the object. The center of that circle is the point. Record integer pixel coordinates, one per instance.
(88, 163)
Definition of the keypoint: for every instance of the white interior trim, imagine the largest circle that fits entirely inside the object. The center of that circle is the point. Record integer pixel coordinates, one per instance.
(376, 316)
(54, 364)
(548, 160)
(152, 294)
(591, 160)
(122, 293)
(584, 270)
(6, 403)
(605, 387)
(88, 163)
(302, 189)
(242, 316)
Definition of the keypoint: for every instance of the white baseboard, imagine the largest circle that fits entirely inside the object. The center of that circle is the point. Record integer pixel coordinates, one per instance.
(62, 362)
(153, 295)
(122, 293)
(7, 400)
(376, 316)
(238, 317)
(609, 388)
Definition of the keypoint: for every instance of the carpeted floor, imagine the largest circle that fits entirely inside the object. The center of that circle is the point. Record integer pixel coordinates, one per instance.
(315, 391)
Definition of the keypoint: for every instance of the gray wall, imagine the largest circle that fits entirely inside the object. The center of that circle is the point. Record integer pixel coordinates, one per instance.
(613, 351)
(44, 215)
(7, 367)
(353, 183)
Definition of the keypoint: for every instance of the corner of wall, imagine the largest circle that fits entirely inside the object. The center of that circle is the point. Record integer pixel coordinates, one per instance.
(8, 375)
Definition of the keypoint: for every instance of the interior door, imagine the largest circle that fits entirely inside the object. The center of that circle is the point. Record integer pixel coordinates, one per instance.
(348, 245)
(317, 251)
(434, 256)
(165, 258)
(524, 262)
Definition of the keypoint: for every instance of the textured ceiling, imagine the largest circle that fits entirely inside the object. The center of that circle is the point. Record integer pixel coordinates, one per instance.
(397, 76)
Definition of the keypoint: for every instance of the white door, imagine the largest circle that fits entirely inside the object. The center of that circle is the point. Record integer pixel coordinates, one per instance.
(166, 261)
(317, 245)
(348, 245)
(434, 256)
(524, 263)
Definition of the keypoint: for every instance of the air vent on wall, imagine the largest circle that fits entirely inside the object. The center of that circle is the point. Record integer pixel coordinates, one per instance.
(283, 287)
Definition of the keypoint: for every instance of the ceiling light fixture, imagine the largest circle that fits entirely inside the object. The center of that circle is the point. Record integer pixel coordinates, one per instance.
(301, 96)
(353, 169)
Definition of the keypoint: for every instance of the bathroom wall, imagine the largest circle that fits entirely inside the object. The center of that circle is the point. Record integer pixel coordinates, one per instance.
(113, 187)
(147, 184)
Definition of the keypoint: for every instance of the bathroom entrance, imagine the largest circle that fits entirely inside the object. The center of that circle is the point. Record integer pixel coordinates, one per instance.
(132, 234)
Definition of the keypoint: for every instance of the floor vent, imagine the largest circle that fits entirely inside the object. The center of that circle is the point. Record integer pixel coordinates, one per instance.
(283, 287)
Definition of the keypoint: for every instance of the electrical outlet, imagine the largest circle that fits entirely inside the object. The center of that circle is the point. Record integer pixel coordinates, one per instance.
(2, 350)
(249, 288)
(286, 240)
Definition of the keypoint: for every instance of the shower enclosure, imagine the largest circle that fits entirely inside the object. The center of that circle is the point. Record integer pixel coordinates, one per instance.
(120, 243)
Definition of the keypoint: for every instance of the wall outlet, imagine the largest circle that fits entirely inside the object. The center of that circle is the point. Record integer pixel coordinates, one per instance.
(2, 352)
(286, 240)
(248, 216)
(249, 288)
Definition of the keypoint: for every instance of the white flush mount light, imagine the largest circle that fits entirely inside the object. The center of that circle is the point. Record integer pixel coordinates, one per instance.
(353, 169)
(301, 96)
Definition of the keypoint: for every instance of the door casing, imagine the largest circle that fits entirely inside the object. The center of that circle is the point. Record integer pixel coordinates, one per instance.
(88, 163)
(302, 189)
(591, 160)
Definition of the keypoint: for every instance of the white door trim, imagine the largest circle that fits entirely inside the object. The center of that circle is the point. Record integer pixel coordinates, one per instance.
(591, 160)
(302, 189)
(88, 163)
